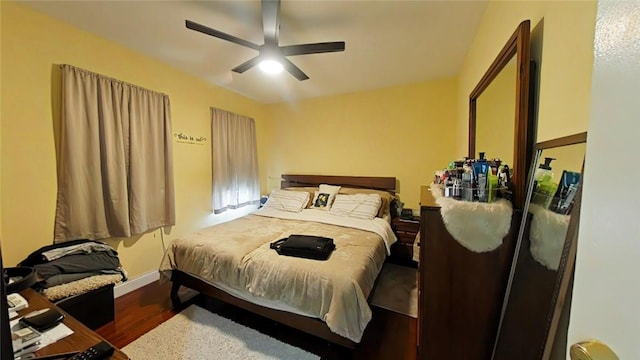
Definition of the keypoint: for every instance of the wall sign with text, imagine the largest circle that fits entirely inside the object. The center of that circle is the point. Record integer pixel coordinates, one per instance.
(190, 139)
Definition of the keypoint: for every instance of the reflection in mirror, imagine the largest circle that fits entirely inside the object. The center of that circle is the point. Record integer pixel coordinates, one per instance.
(555, 185)
(541, 254)
(495, 109)
(490, 115)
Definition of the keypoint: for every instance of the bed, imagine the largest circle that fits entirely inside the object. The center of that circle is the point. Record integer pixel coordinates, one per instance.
(329, 299)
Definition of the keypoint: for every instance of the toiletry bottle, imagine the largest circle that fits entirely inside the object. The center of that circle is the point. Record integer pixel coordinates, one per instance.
(506, 183)
(448, 184)
(457, 184)
(467, 186)
(545, 187)
(495, 165)
(565, 192)
(544, 169)
(468, 165)
(492, 187)
(481, 171)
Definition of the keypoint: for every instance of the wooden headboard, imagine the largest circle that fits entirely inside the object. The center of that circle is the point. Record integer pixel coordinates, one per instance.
(369, 182)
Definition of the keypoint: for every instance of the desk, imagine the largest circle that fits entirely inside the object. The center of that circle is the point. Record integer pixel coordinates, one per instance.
(82, 336)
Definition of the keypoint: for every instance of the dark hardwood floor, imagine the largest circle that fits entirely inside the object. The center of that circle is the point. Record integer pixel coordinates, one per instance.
(388, 336)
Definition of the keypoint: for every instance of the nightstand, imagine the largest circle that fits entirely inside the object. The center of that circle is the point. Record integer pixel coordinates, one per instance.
(406, 231)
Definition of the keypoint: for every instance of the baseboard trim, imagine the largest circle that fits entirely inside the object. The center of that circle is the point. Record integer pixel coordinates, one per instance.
(134, 284)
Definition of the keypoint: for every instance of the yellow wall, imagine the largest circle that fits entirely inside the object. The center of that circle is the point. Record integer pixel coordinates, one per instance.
(32, 44)
(567, 59)
(404, 131)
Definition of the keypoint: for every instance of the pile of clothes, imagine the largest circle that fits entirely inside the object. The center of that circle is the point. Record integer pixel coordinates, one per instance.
(74, 267)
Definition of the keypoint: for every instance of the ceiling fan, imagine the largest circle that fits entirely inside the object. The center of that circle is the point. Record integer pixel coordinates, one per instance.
(271, 53)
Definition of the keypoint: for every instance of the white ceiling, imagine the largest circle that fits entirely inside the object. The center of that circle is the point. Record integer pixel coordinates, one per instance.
(387, 42)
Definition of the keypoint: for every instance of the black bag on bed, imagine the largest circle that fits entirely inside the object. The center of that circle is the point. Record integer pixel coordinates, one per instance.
(305, 246)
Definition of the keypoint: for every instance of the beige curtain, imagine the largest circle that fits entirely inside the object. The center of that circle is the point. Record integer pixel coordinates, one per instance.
(115, 162)
(235, 161)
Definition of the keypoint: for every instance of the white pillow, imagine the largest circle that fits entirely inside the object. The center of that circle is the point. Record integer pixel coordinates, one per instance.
(287, 200)
(323, 198)
(361, 206)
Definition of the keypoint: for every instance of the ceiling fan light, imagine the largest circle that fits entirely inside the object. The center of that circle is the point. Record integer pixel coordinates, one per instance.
(271, 66)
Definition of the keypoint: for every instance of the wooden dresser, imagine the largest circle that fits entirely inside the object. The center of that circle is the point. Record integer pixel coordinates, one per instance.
(460, 291)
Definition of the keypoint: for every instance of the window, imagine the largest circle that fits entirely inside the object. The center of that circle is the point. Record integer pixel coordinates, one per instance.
(234, 161)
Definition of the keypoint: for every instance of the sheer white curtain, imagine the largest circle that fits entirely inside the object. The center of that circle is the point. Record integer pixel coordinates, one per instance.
(235, 161)
(115, 161)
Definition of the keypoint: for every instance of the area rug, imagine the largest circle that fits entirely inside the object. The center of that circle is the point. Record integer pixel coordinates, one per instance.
(198, 334)
(397, 290)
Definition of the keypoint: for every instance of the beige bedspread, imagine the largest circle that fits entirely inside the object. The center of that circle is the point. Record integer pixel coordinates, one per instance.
(236, 254)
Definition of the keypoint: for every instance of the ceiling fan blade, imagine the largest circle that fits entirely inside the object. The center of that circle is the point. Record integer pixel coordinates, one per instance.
(294, 70)
(219, 34)
(271, 21)
(246, 65)
(316, 48)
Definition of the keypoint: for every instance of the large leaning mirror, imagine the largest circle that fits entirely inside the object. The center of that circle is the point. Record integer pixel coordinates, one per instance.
(499, 119)
(545, 251)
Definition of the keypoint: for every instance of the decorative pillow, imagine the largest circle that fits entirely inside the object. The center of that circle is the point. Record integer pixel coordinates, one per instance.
(286, 200)
(386, 197)
(323, 198)
(361, 206)
(309, 189)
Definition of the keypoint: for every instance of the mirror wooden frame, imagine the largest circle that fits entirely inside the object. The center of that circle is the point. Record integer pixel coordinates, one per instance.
(519, 45)
(538, 335)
